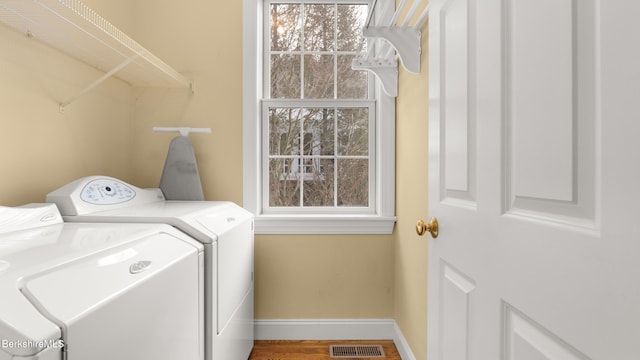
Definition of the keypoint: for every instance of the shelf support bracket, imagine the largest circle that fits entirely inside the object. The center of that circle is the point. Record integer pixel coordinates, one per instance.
(385, 70)
(99, 81)
(405, 40)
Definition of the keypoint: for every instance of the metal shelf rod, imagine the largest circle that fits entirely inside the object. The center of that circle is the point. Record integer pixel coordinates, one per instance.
(97, 82)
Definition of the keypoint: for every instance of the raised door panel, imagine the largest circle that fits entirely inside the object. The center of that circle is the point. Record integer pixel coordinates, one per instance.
(541, 94)
(550, 107)
(458, 103)
(526, 340)
(455, 304)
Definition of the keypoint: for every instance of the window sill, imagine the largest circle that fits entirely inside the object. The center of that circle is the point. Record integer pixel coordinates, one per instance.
(324, 224)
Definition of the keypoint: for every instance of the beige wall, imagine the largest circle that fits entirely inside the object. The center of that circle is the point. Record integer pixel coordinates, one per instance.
(411, 204)
(203, 40)
(324, 277)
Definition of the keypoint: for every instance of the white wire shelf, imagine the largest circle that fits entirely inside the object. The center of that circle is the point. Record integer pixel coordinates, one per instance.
(395, 36)
(73, 28)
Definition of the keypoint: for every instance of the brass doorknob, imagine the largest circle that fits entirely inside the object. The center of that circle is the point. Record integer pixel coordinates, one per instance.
(431, 227)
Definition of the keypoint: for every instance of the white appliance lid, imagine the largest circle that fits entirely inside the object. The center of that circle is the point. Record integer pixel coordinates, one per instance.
(23, 329)
(98, 278)
(38, 250)
(205, 221)
(28, 216)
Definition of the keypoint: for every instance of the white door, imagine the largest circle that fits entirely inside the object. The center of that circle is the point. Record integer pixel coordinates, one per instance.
(534, 176)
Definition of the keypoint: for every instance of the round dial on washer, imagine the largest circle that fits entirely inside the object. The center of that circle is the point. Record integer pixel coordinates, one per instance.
(106, 192)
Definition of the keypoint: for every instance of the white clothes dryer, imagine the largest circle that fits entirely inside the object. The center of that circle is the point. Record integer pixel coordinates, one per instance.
(97, 291)
(224, 228)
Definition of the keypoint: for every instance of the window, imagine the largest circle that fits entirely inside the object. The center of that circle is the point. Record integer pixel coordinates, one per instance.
(318, 136)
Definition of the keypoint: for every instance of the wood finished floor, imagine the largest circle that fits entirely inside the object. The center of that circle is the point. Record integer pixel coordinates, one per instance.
(312, 350)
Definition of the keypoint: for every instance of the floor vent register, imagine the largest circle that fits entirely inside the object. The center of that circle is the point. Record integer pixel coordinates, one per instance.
(356, 351)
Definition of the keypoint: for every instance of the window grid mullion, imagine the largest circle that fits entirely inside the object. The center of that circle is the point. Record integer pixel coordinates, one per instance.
(301, 159)
(335, 154)
(335, 51)
(325, 157)
(302, 49)
(350, 2)
(313, 52)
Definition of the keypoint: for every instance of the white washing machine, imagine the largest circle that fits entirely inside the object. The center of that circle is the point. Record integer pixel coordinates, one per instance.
(97, 291)
(224, 228)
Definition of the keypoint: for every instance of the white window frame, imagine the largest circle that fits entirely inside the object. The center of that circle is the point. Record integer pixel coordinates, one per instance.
(378, 219)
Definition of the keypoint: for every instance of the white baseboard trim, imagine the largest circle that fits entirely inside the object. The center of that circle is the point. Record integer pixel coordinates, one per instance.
(341, 329)
(401, 344)
(338, 329)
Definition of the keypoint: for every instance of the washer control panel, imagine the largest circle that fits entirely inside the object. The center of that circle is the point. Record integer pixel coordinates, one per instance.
(106, 192)
(100, 193)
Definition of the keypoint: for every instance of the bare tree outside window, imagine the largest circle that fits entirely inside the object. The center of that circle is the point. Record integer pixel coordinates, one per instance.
(319, 152)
